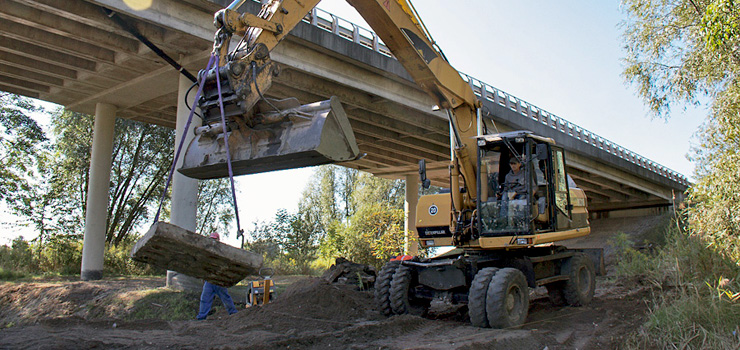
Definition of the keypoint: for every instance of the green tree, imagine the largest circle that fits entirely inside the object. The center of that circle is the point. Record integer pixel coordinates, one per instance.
(364, 222)
(26, 166)
(21, 140)
(53, 198)
(142, 154)
(686, 51)
(290, 241)
(215, 206)
(371, 236)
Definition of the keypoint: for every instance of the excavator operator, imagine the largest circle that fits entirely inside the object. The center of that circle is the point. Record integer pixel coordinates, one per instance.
(514, 184)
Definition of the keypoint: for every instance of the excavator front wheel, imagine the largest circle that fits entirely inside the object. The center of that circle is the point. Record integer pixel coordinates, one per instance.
(477, 297)
(507, 300)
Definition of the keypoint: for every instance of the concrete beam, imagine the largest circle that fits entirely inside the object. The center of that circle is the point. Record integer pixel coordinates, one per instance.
(418, 122)
(19, 91)
(617, 175)
(388, 127)
(608, 184)
(602, 207)
(346, 72)
(32, 76)
(34, 65)
(144, 88)
(53, 23)
(60, 43)
(49, 55)
(24, 84)
(172, 14)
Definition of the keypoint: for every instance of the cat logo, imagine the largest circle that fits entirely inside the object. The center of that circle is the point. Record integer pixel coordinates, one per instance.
(433, 210)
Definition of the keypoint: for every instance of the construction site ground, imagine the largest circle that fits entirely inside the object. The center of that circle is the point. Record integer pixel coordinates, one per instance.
(64, 313)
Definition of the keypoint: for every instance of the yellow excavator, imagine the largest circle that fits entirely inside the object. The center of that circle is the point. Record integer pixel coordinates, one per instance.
(509, 199)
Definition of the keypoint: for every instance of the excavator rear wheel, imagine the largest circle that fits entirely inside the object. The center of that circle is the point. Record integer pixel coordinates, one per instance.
(579, 289)
(383, 287)
(477, 297)
(507, 300)
(402, 302)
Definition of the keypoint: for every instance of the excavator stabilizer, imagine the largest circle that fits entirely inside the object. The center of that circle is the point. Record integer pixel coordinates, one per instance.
(171, 247)
(293, 137)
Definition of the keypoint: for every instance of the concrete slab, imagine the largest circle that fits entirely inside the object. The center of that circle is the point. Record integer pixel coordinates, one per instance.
(174, 248)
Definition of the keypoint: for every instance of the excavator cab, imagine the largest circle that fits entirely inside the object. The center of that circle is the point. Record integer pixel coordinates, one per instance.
(503, 206)
(526, 188)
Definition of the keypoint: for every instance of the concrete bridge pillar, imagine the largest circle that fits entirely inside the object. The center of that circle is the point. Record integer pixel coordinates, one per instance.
(96, 214)
(184, 189)
(411, 246)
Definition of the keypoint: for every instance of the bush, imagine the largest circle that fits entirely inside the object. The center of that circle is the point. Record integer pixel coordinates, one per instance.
(18, 258)
(371, 236)
(10, 275)
(118, 261)
(695, 299)
(61, 254)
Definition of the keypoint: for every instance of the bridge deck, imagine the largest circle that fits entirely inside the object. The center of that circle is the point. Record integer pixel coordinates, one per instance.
(71, 53)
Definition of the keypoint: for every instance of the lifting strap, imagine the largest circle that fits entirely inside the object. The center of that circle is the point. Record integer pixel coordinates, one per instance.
(182, 141)
(213, 58)
(239, 232)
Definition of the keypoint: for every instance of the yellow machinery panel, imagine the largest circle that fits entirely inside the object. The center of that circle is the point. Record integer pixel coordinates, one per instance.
(433, 220)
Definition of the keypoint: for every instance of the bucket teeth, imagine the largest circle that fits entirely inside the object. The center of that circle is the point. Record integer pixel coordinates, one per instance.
(293, 136)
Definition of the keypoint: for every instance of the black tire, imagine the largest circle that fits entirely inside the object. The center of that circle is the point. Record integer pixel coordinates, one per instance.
(579, 289)
(401, 301)
(477, 297)
(507, 300)
(555, 293)
(383, 287)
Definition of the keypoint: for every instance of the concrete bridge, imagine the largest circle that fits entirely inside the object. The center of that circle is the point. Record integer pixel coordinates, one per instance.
(74, 54)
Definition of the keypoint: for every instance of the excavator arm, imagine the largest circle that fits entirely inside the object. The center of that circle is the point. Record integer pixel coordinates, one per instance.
(401, 29)
(246, 72)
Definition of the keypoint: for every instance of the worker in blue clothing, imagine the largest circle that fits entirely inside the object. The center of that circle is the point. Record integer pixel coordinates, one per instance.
(210, 291)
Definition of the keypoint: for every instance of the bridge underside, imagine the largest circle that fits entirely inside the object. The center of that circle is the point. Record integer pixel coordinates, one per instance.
(71, 53)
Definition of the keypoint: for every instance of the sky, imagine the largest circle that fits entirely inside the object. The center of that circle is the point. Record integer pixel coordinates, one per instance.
(562, 56)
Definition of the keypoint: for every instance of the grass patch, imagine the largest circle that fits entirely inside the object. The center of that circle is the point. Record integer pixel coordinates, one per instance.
(694, 304)
(164, 304)
(690, 320)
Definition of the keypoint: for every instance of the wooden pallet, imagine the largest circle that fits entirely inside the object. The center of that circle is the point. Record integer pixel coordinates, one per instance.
(170, 247)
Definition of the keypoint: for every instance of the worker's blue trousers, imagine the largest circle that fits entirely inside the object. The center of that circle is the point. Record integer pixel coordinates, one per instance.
(210, 291)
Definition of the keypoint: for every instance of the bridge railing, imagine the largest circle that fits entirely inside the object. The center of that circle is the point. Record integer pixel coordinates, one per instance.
(527, 110)
(367, 38)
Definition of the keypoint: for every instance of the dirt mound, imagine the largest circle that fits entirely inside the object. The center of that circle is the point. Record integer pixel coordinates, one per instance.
(28, 303)
(314, 297)
(24, 303)
(311, 301)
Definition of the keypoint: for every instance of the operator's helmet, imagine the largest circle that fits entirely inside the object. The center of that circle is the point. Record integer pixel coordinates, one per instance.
(514, 160)
(215, 236)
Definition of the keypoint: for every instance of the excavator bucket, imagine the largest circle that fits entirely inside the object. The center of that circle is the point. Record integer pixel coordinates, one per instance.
(286, 137)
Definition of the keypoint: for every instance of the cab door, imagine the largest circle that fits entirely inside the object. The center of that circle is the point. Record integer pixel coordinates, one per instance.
(560, 188)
